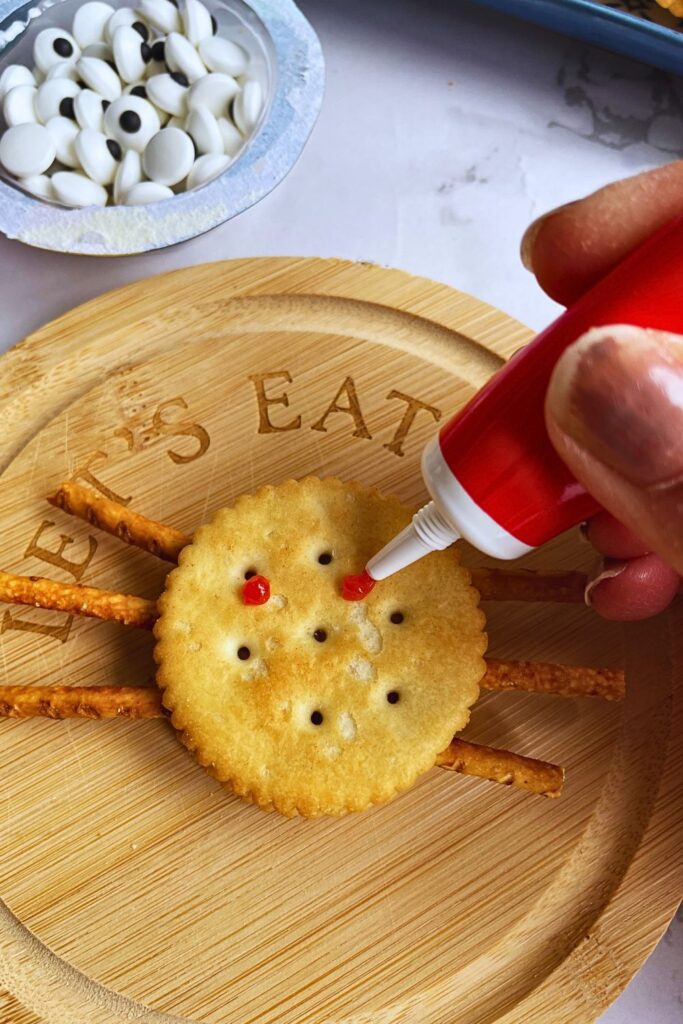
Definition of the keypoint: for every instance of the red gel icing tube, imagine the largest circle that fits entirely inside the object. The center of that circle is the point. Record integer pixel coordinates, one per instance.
(256, 590)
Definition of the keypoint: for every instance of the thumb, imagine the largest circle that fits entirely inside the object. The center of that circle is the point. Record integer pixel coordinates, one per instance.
(614, 412)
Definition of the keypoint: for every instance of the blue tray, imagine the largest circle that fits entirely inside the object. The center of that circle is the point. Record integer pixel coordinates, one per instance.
(638, 28)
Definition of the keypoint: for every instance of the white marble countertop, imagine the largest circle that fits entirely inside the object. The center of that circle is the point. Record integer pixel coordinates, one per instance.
(445, 130)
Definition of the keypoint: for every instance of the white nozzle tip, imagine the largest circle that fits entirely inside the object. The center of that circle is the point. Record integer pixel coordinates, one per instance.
(427, 532)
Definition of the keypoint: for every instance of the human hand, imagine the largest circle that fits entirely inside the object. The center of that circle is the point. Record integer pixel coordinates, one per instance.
(614, 408)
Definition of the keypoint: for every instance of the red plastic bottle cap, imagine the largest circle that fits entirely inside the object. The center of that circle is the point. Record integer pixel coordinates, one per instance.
(256, 590)
(355, 588)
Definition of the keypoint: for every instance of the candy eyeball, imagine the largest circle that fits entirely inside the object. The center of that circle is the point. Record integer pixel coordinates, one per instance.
(206, 168)
(75, 190)
(182, 56)
(223, 55)
(56, 96)
(167, 92)
(162, 14)
(131, 53)
(131, 121)
(19, 105)
(98, 156)
(52, 46)
(90, 21)
(169, 156)
(203, 129)
(147, 192)
(247, 106)
(100, 77)
(128, 174)
(14, 75)
(123, 16)
(232, 137)
(197, 21)
(88, 110)
(213, 92)
(64, 131)
(26, 149)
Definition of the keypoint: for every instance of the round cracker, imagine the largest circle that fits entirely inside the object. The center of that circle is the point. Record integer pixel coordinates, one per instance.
(252, 722)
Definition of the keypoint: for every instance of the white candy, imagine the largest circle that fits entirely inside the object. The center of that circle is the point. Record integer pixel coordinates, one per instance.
(128, 174)
(122, 16)
(94, 152)
(54, 45)
(64, 70)
(14, 75)
(213, 93)
(247, 106)
(232, 139)
(132, 121)
(38, 185)
(197, 21)
(26, 149)
(19, 105)
(147, 192)
(206, 135)
(90, 21)
(162, 14)
(64, 131)
(175, 122)
(102, 51)
(100, 77)
(182, 56)
(89, 110)
(129, 48)
(168, 157)
(168, 94)
(51, 93)
(130, 90)
(74, 189)
(223, 55)
(206, 168)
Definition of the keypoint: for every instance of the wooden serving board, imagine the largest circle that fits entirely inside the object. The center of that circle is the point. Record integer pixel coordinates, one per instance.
(135, 888)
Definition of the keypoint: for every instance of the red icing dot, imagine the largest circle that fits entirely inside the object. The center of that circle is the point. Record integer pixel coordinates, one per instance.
(355, 588)
(256, 590)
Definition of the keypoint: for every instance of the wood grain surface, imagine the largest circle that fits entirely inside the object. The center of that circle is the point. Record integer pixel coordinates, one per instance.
(134, 887)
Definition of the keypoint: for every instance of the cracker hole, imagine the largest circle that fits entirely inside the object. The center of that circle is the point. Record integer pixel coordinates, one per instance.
(325, 557)
(397, 618)
(320, 635)
(393, 697)
(317, 717)
(243, 653)
(249, 574)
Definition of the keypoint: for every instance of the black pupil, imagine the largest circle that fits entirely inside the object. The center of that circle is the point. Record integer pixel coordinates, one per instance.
(158, 51)
(62, 47)
(141, 30)
(114, 148)
(392, 697)
(320, 635)
(139, 90)
(396, 618)
(105, 104)
(146, 52)
(66, 107)
(180, 78)
(243, 653)
(317, 718)
(214, 25)
(130, 121)
(249, 574)
(325, 558)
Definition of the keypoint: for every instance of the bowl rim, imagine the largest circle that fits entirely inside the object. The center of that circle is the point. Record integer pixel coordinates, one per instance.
(271, 153)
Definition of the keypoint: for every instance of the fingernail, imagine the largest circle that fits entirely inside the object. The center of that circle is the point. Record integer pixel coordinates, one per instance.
(608, 572)
(618, 392)
(526, 249)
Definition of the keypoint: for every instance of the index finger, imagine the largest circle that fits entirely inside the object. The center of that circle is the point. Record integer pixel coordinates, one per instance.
(572, 247)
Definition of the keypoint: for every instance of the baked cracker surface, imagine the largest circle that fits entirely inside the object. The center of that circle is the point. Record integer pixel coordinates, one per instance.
(316, 726)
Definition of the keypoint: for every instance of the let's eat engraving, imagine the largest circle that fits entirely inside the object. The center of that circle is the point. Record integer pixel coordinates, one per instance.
(340, 411)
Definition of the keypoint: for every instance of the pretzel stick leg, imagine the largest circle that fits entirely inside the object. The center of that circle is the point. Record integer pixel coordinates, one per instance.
(502, 766)
(80, 702)
(131, 527)
(561, 680)
(78, 600)
(507, 585)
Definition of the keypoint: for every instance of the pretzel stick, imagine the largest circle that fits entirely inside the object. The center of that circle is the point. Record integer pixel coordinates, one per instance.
(100, 702)
(561, 680)
(78, 600)
(131, 527)
(505, 585)
(80, 702)
(502, 766)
